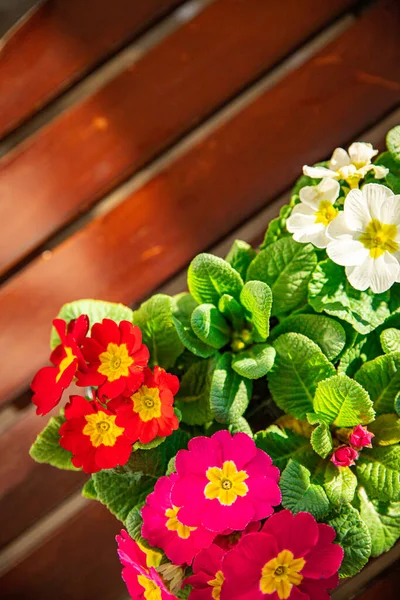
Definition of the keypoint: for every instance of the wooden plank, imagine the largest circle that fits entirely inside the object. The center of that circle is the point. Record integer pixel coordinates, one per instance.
(208, 191)
(385, 587)
(58, 43)
(69, 165)
(80, 561)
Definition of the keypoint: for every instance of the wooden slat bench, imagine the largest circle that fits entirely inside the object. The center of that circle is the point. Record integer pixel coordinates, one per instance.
(195, 138)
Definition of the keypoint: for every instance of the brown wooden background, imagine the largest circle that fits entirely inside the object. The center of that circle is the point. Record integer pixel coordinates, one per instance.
(135, 135)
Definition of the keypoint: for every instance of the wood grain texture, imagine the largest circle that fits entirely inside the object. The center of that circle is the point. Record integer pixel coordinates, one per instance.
(73, 162)
(125, 254)
(58, 43)
(79, 561)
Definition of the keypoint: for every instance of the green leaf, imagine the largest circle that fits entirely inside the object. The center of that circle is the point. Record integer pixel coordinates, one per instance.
(153, 444)
(210, 326)
(96, 310)
(232, 310)
(299, 366)
(330, 292)
(183, 306)
(127, 487)
(378, 470)
(240, 256)
(362, 349)
(382, 520)
(386, 429)
(381, 378)
(340, 483)
(256, 297)
(230, 393)
(209, 277)
(277, 227)
(390, 340)
(284, 444)
(397, 404)
(300, 494)
(321, 440)
(392, 179)
(327, 333)
(89, 491)
(193, 398)
(154, 317)
(46, 448)
(240, 426)
(343, 402)
(286, 266)
(352, 534)
(255, 362)
(393, 142)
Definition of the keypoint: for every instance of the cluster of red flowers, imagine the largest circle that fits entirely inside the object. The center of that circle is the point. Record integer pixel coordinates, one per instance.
(346, 454)
(214, 515)
(129, 403)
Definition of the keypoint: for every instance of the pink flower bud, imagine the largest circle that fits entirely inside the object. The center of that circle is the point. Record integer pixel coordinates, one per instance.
(361, 437)
(344, 456)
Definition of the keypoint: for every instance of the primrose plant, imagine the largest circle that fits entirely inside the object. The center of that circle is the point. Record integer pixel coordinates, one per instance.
(246, 432)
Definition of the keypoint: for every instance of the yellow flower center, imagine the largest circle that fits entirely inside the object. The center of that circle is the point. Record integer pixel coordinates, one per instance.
(379, 238)
(101, 429)
(280, 574)
(173, 523)
(115, 362)
(325, 213)
(147, 403)
(66, 362)
(226, 484)
(151, 589)
(216, 584)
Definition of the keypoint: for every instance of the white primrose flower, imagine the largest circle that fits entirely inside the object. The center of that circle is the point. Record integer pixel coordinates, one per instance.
(309, 219)
(366, 238)
(352, 166)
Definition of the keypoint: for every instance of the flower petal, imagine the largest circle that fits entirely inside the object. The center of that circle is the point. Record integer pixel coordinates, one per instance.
(338, 228)
(310, 197)
(329, 189)
(384, 273)
(375, 194)
(347, 252)
(356, 210)
(339, 159)
(361, 153)
(318, 172)
(390, 211)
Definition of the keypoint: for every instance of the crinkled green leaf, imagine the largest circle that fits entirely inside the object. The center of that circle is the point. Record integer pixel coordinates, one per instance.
(382, 520)
(193, 398)
(230, 393)
(255, 362)
(96, 310)
(321, 440)
(363, 349)
(330, 292)
(386, 429)
(327, 333)
(340, 483)
(210, 277)
(352, 534)
(381, 378)
(393, 143)
(343, 402)
(286, 266)
(378, 470)
(392, 179)
(46, 448)
(153, 444)
(240, 426)
(89, 491)
(154, 317)
(277, 227)
(299, 366)
(397, 403)
(240, 256)
(190, 340)
(284, 444)
(300, 494)
(210, 326)
(390, 340)
(256, 297)
(124, 488)
(232, 310)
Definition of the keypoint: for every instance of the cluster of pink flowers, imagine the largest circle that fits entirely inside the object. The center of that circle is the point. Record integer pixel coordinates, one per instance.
(214, 516)
(346, 454)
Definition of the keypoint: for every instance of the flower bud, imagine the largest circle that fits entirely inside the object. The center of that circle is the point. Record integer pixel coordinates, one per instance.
(344, 456)
(361, 438)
